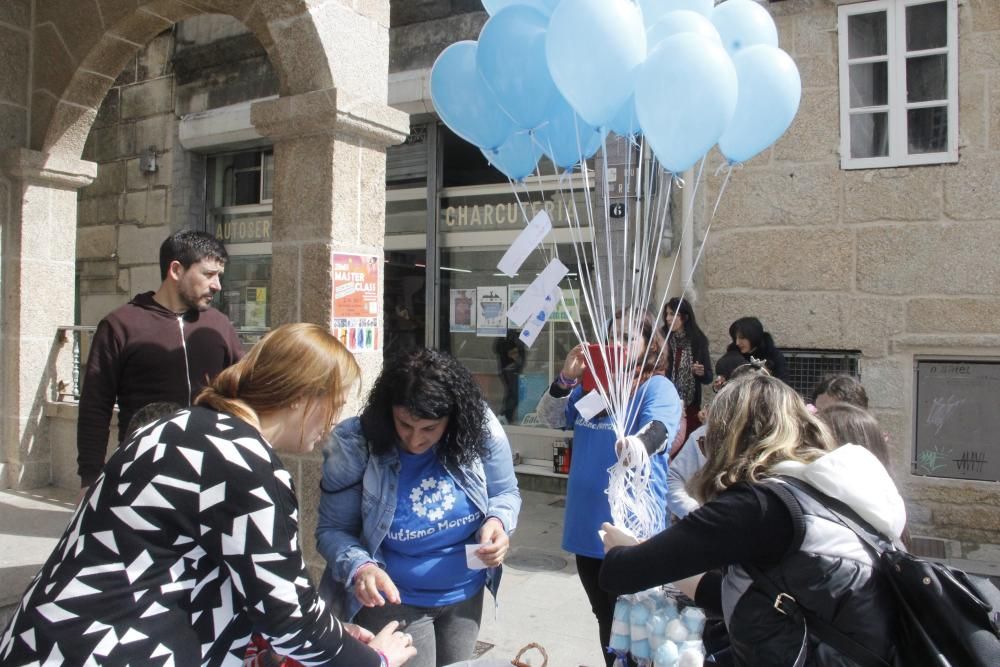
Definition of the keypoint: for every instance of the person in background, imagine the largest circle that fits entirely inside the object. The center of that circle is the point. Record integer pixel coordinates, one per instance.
(658, 413)
(188, 541)
(160, 346)
(754, 525)
(423, 476)
(840, 389)
(851, 424)
(511, 355)
(750, 339)
(725, 367)
(689, 365)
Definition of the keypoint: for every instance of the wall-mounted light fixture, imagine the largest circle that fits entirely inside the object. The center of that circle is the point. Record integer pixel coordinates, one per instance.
(147, 161)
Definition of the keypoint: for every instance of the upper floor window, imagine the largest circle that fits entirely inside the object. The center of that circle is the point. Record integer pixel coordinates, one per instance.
(898, 83)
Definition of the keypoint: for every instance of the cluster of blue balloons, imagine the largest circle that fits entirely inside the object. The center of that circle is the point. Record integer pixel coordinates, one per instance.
(555, 76)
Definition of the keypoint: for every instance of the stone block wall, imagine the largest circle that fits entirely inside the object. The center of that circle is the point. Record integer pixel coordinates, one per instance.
(123, 215)
(892, 262)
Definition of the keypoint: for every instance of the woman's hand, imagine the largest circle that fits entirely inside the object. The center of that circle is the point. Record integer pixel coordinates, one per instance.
(371, 583)
(397, 647)
(575, 364)
(698, 370)
(494, 542)
(361, 634)
(616, 537)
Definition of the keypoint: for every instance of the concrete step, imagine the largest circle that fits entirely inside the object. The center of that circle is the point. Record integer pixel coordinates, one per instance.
(537, 475)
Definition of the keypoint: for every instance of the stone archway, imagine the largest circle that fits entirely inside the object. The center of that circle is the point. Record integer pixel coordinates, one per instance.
(331, 122)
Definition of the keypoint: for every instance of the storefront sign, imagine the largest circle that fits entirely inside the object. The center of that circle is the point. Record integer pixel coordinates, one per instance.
(247, 230)
(503, 216)
(356, 301)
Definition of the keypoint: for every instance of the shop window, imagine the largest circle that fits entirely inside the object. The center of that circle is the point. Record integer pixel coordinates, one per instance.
(898, 83)
(239, 191)
(474, 327)
(807, 367)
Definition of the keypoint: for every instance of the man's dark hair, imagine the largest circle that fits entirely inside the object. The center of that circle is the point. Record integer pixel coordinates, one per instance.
(150, 413)
(843, 388)
(187, 247)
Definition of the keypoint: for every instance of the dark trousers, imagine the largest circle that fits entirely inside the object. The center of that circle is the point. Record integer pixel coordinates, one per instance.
(602, 603)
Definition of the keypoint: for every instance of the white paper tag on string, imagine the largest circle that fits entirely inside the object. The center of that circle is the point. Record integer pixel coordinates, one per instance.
(533, 327)
(590, 405)
(525, 243)
(534, 297)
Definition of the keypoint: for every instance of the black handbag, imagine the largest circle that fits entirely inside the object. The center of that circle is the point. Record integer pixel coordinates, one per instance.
(947, 618)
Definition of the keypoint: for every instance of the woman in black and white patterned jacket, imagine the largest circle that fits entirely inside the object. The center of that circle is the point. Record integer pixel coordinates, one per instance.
(189, 540)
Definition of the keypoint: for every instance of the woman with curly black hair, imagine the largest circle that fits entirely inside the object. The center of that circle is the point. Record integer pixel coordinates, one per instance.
(423, 477)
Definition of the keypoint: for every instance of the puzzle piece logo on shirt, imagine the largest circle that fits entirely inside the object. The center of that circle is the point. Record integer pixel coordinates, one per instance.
(432, 498)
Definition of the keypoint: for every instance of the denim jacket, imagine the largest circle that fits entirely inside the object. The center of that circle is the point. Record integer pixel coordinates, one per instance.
(358, 502)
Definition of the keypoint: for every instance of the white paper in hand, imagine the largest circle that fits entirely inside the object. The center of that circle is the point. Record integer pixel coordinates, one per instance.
(590, 405)
(472, 559)
(525, 243)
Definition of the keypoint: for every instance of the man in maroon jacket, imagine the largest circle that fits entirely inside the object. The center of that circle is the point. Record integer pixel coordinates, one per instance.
(160, 346)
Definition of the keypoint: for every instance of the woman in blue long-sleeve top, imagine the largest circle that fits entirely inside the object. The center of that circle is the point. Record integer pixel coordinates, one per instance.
(424, 471)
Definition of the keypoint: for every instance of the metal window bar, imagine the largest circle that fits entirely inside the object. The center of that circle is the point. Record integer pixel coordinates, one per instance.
(806, 367)
(80, 337)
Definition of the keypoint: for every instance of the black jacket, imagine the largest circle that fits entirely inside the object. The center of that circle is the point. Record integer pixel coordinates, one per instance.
(143, 353)
(825, 576)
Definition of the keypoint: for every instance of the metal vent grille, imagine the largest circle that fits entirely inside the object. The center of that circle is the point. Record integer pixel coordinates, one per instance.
(807, 367)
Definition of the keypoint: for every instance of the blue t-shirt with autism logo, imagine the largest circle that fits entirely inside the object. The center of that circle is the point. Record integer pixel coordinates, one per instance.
(425, 549)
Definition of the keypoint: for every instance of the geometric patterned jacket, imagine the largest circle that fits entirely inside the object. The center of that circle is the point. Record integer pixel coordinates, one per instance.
(186, 544)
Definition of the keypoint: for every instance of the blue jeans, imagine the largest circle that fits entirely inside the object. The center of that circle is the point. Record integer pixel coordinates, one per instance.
(441, 635)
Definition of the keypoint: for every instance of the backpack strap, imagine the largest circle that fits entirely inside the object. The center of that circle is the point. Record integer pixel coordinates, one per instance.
(813, 624)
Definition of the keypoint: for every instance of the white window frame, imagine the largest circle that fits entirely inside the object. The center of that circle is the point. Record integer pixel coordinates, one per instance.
(897, 107)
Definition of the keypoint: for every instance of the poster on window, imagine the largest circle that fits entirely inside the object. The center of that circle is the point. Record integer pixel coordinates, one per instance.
(255, 315)
(462, 311)
(514, 293)
(356, 301)
(568, 309)
(491, 311)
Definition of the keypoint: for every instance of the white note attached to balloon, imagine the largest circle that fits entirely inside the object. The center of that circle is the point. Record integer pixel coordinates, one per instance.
(525, 243)
(533, 298)
(590, 405)
(536, 322)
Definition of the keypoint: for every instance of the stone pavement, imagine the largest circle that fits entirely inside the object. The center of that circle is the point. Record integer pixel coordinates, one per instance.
(541, 599)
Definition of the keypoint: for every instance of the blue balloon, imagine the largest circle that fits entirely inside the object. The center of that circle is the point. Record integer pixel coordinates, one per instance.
(626, 122)
(464, 101)
(674, 23)
(517, 157)
(566, 138)
(654, 10)
(594, 48)
(511, 59)
(544, 6)
(770, 91)
(744, 23)
(685, 96)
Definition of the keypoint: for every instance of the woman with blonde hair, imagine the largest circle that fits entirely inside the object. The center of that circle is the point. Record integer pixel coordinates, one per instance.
(189, 539)
(759, 531)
